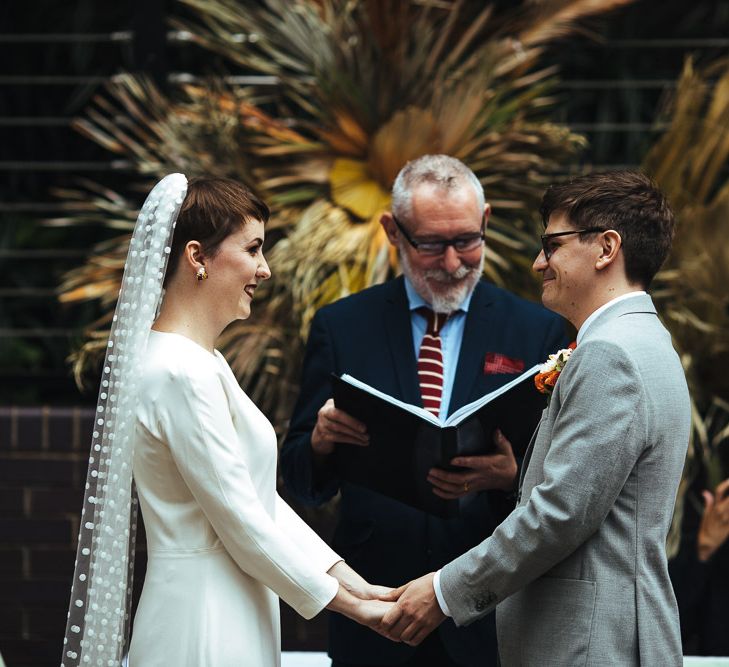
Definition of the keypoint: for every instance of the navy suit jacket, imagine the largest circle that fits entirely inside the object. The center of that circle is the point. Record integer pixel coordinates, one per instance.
(369, 336)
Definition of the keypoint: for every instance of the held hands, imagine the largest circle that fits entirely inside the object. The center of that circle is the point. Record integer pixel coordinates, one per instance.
(371, 612)
(714, 528)
(409, 613)
(416, 614)
(484, 473)
(356, 585)
(359, 600)
(365, 612)
(333, 426)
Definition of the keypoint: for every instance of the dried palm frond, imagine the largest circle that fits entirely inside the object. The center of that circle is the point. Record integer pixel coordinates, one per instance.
(363, 87)
(690, 162)
(551, 20)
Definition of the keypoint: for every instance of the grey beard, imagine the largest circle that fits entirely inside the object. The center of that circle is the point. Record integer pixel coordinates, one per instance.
(455, 287)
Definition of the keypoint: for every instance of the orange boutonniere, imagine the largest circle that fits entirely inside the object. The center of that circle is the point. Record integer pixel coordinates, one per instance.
(545, 380)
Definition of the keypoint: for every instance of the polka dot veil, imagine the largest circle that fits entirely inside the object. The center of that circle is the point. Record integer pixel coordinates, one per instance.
(98, 619)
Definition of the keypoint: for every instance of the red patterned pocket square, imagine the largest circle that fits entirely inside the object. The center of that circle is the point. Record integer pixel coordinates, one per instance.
(498, 363)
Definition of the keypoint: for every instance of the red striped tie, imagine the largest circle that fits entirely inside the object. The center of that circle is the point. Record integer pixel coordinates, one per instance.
(430, 361)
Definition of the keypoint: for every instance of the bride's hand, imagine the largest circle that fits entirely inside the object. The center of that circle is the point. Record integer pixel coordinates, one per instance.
(365, 612)
(373, 592)
(371, 612)
(356, 585)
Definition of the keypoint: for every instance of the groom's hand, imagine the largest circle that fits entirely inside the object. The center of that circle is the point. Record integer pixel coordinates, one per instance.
(482, 473)
(416, 614)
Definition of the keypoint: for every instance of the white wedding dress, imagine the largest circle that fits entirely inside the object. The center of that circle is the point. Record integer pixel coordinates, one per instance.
(222, 544)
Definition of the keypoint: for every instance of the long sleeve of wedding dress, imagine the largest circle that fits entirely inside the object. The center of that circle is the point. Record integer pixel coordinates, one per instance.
(221, 542)
(317, 552)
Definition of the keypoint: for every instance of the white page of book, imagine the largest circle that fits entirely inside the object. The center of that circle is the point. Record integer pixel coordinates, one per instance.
(414, 409)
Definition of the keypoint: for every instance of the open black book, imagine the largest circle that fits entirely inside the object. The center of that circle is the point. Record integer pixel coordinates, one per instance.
(407, 440)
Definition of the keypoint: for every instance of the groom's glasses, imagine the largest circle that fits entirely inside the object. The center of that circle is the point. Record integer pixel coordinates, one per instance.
(548, 245)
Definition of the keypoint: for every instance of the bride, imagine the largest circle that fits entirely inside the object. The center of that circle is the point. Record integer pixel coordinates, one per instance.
(222, 545)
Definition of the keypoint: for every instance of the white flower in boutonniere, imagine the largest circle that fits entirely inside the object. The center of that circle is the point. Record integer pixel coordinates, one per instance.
(550, 370)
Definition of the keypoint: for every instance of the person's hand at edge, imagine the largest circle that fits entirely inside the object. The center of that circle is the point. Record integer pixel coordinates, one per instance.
(714, 527)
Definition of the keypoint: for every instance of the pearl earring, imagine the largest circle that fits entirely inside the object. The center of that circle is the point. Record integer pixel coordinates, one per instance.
(201, 274)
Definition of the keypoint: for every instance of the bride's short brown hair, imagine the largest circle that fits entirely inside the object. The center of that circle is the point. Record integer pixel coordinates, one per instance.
(213, 209)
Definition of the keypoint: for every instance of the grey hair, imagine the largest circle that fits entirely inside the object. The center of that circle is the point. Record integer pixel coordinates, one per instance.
(443, 171)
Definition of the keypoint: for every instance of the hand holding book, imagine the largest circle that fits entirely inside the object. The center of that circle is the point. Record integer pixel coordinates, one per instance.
(336, 426)
(496, 470)
(406, 442)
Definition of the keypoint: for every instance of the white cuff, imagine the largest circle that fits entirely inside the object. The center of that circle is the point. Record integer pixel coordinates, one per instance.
(439, 595)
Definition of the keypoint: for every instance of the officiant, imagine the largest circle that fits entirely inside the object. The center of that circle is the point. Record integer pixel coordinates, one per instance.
(439, 336)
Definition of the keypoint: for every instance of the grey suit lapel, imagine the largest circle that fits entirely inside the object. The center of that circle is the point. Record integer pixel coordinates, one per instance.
(635, 304)
(400, 342)
(528, 457)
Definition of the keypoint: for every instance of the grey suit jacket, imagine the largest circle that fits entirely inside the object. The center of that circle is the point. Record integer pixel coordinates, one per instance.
(579, 569)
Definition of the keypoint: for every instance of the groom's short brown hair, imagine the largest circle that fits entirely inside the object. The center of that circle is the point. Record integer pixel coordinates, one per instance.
(628, 202)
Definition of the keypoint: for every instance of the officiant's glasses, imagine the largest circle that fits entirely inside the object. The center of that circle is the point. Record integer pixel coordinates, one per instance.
(548, 247)
(434, 247)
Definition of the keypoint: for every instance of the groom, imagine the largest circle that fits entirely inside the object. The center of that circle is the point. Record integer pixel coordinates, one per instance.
(578, 570)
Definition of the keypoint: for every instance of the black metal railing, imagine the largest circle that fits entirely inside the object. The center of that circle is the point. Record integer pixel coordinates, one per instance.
(610, 93)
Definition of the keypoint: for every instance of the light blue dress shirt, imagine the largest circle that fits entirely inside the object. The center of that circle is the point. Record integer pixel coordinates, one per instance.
(451, 338)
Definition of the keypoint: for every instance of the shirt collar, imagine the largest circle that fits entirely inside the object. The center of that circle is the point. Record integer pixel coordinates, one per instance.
(416, 301)
(605, 306)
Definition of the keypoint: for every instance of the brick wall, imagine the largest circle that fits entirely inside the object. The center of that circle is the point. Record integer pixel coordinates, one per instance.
(43, 461)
